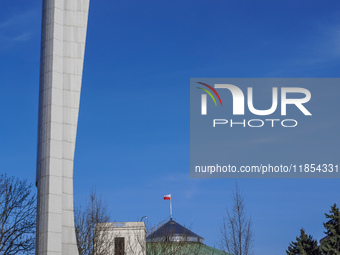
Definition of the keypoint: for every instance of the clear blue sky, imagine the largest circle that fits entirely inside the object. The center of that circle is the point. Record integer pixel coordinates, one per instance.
(133, 132)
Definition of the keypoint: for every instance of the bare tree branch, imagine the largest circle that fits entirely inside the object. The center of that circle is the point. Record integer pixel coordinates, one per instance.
(85, 224)
(17, 217)
(236, 228)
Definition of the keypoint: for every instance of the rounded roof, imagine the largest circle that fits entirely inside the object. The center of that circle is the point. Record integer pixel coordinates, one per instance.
(172, 228)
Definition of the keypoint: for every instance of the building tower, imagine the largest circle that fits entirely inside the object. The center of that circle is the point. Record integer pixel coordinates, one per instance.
(64, 24)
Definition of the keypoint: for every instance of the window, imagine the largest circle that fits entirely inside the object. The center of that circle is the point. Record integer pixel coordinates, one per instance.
(119, 246)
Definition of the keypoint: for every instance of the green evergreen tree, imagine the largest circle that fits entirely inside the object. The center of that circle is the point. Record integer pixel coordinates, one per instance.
(304, 245)
(331, 244)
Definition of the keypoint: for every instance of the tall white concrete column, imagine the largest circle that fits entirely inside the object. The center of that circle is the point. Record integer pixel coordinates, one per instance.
(64, 24)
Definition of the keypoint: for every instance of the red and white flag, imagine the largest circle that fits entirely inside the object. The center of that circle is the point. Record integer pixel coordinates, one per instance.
(167, 197)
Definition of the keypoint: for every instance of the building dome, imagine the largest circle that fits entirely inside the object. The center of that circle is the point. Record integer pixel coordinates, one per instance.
(171, 231)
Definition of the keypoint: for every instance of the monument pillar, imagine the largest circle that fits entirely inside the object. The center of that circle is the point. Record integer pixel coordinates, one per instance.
(64, 24)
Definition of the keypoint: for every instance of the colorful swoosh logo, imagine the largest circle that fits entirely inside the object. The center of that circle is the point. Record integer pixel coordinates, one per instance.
(209, 93)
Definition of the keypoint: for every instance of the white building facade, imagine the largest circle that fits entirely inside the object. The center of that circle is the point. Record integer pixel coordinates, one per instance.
(120, 238)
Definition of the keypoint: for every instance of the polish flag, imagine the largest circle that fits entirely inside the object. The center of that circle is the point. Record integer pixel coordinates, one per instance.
(167, 197)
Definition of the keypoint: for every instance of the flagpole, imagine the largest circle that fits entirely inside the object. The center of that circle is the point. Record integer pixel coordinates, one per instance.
(170, 209)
